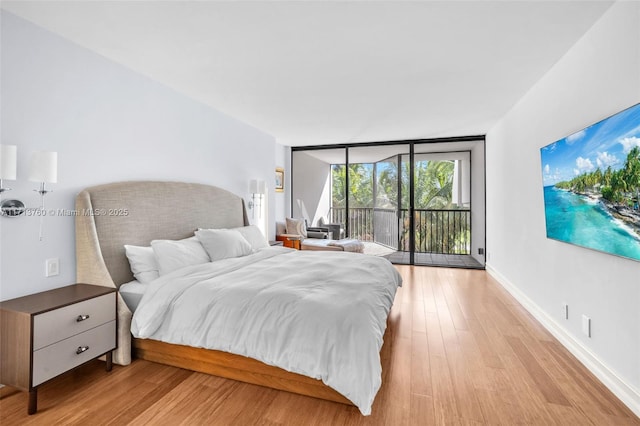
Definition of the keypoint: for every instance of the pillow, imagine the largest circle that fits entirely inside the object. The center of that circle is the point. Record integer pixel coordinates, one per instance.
(143, 263)
(297, 227)
(171, 255)
(254, 236)
(223, 243)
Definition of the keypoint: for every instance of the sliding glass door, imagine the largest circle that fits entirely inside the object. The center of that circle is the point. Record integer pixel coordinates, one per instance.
(410, 202)
(388, 185)
(442, 207)
(377, 182)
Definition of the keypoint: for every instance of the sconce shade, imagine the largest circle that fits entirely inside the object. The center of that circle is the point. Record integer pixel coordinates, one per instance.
(257, 186)
(43, 167)
(8, 161)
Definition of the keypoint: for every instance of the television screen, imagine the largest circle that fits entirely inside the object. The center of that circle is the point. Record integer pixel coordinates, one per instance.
(591, 185)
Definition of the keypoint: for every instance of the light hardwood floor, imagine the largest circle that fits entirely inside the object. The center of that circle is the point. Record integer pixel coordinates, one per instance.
(463, 352)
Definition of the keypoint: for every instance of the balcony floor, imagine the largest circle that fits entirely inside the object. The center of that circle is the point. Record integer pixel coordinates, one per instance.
(423, 259)
(432, 259)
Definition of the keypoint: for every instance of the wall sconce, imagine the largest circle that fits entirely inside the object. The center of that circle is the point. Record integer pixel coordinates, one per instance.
(8, 164)
(8, 167)
(43, 168)
(257, 188)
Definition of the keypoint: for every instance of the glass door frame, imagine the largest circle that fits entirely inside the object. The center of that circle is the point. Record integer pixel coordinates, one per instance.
(411, 208)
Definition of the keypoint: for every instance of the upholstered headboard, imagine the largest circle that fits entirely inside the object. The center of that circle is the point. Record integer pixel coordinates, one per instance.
(112, 215)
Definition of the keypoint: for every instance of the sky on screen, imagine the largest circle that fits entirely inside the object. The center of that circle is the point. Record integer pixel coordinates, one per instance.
(603, 144)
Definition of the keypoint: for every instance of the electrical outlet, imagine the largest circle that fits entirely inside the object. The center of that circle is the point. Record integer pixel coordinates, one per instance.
(586, 325)
(52, 267)
(565, 311)
(481, 251)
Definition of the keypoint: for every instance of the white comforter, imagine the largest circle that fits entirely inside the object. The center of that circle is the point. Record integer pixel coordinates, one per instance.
(320, 314)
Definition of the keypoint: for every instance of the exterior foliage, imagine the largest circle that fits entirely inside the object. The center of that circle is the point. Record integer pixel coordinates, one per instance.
(382, 208)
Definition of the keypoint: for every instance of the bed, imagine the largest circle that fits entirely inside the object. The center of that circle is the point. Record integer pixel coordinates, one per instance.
(135, 213)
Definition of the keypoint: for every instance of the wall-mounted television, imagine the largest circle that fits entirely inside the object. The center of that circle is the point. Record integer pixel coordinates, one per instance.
(591, 183)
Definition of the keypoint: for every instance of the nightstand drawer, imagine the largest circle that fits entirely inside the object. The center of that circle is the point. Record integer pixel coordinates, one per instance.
(54, 326)
(55, 359)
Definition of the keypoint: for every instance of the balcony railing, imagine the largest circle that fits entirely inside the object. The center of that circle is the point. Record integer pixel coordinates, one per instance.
(436, 231)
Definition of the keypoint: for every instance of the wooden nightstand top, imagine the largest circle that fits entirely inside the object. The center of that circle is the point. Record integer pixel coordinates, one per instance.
(38, 303)
(292, 237)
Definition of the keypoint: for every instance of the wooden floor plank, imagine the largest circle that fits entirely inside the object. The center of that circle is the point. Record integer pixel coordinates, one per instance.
(427, 278)
(473, 358)
(453, 304)
(420, 369)
(191, 396)
(496, 411)
(461, 351)
(444, 401)
(463, 390)
(530, 324)
(582, 387)
(545, 383)
(574, 388)
(399, 383)
(421, 410)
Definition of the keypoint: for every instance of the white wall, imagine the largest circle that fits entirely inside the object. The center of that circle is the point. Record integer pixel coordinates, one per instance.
(312, 192)
(107, 124)
(283, 199)
(598, 77)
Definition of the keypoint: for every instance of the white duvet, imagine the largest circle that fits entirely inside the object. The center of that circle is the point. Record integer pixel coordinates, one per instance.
(320, 314)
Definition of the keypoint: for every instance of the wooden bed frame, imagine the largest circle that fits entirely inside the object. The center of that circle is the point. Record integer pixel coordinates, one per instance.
(243, 369)
(101, 260)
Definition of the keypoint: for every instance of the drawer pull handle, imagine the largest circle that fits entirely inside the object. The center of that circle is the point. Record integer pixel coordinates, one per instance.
(82, 318)
(81, 349)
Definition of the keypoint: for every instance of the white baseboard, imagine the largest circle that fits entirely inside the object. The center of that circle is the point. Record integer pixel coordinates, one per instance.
(624, 391)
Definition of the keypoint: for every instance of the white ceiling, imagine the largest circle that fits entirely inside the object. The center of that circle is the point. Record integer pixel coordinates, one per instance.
(334, 72)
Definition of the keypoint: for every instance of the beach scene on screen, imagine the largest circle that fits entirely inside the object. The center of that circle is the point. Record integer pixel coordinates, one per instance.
(591, 183)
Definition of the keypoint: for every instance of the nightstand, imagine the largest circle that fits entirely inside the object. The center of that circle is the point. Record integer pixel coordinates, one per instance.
(290, 240)
(46, 334)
